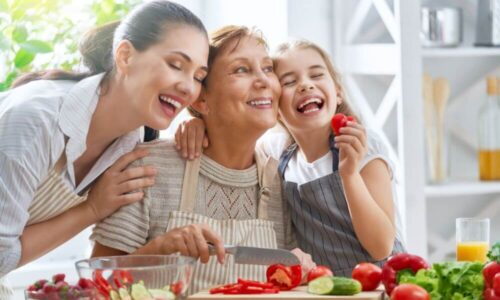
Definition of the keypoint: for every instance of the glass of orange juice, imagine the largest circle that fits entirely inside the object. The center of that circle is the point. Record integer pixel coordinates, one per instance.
(473, 239)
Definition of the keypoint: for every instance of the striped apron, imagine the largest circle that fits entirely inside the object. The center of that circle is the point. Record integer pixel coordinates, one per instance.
(256, 233)
(322, 220)
(52, 198)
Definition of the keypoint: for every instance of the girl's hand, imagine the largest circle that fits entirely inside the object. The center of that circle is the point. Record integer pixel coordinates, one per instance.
(306, 262)
(352, 148)
(120, 185)
(190, 138)
(191, 240)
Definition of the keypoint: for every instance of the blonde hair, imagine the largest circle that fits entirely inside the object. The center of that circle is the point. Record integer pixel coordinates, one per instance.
(220, 40)
(344, 106)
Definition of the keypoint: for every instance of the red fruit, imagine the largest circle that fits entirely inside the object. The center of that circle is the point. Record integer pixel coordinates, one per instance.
(338, 121)
(49, 288)
(32, 288)
(368, 274)
(489, 294)
(40, 283)
(496, 284)
(489, 272)
(176, 287)
(409, 291)
(85, 283)
(58, 277)
(318, 271)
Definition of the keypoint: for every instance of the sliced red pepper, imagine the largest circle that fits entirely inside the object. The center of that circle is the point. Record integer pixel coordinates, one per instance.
(283, 277)
(398, 263)
(252, 283)
(225, 288)
(122, 278)
(102, 284)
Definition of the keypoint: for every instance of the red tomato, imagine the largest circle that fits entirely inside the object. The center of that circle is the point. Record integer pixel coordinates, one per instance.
(338, 121)
(368, 274)
(318, 271)
(176, 287)
(408, 291)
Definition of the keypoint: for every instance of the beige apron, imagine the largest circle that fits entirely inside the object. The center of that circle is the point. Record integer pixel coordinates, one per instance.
(52, 198)
(256, 233)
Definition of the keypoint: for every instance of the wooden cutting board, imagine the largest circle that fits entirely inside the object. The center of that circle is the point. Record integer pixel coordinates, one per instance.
(299, 293)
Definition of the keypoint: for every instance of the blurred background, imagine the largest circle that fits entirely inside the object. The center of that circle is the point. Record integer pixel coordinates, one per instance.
(415, 71)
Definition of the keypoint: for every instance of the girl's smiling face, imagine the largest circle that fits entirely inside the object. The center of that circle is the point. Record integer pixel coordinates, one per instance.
(309, 94)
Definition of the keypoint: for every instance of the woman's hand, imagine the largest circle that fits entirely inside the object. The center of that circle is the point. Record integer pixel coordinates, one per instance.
(120, 185)
(191, 240)
(190, 138)
(352, 148)
(306, 262)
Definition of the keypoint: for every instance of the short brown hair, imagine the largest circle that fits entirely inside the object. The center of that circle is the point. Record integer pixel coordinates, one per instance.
(220, 40)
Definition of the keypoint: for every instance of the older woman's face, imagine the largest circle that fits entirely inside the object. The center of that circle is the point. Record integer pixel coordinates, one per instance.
(242, 90)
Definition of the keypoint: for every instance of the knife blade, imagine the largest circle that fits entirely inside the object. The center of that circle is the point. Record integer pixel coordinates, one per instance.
(259, 256)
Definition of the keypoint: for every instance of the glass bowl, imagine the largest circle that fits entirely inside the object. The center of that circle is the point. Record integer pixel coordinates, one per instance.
(76, 294)
(158, 277)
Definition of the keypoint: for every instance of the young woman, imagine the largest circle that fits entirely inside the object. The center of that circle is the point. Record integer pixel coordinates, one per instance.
(231, 194)
(62, 131)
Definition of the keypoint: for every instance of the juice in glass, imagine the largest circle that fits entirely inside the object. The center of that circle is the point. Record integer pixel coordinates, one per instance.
(472, 251)
(473, 239)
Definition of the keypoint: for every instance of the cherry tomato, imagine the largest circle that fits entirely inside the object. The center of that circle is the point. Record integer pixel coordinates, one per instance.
(368, 274)
(318, 271)
(408, 291)
(176, 287)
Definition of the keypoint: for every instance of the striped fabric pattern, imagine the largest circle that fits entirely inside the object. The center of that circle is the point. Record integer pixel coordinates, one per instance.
(255, 233)
(35, 119)
(321, 216)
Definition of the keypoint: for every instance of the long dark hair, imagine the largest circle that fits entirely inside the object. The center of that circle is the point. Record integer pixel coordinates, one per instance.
(143, 27)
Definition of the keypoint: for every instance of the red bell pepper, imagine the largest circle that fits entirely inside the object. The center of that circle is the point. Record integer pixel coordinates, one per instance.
(283, 277)
(399, 262)
(493, 267)
(489, 294)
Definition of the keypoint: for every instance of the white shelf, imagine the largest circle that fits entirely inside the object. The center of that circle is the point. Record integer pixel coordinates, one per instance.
(461, 52)
(463, 188)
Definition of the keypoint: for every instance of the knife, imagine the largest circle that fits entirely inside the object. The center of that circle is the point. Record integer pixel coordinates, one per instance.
(259, 256)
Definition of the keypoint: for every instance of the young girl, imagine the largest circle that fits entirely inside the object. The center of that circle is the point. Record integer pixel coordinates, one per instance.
(61, 133)
(339, 188)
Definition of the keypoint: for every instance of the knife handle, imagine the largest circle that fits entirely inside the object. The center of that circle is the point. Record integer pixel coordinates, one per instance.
(229, 249)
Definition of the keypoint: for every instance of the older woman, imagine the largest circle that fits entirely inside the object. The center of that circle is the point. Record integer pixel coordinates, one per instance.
(231, 194)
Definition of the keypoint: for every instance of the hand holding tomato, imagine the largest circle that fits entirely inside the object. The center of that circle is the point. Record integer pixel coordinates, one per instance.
(318, 271)
(350, 139)
(409, 291)
(368, 274)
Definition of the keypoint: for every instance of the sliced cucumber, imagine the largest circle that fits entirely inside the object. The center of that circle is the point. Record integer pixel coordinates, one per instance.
(159, 294)
(321, 286)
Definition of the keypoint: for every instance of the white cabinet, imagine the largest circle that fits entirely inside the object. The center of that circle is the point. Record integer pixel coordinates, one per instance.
(377, 48)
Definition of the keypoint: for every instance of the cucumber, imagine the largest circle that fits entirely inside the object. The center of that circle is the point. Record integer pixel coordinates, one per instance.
(114, 295)
(162, 294)
(320, 286)
(345, 286)
(139, 292)
(328, 285)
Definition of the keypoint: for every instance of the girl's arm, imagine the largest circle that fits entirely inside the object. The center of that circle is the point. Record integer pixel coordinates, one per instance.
(113, 189)
(368, 193)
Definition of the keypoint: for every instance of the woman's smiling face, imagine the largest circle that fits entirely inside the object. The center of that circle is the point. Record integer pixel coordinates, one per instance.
(242, 90)
(167, 76)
